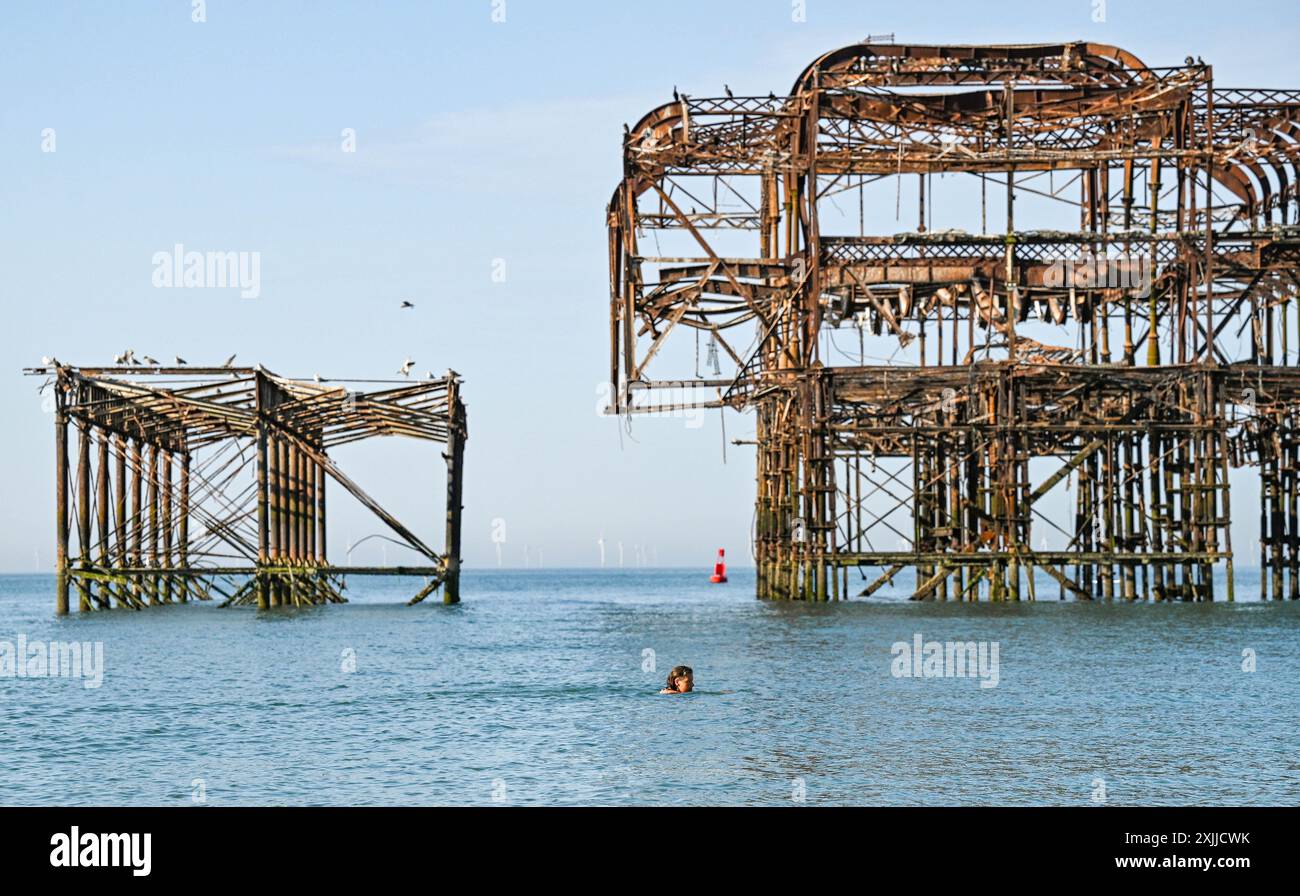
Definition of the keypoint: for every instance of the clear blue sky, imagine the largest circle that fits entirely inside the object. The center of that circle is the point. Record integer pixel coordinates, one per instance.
(475, 141)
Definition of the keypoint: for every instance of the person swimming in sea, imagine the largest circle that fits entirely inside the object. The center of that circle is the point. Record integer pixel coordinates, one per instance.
(681, 680)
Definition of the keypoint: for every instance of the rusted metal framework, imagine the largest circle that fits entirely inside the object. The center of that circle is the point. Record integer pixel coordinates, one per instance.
(199, 482)
(977, 297)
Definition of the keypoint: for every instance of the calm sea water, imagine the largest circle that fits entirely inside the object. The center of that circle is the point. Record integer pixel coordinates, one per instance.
(540, 689)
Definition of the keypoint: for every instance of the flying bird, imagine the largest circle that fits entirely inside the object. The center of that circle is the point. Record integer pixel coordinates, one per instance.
(229, 361)
(406, 367)
(407, 304)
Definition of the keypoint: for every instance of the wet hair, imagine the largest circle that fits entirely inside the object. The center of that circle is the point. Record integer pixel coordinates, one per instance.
(676, 673)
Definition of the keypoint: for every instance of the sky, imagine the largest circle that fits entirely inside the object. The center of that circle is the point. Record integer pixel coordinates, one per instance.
(482, 146)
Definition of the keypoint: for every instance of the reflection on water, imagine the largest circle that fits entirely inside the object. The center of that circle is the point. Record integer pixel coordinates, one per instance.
(542, 687)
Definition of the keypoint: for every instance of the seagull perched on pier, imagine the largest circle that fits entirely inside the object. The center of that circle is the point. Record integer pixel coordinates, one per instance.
(406, 303)
(676, 98)
(152, 362)
(180, 362)
(727, 88)
(229, 361)
(119, 359)
(406, 367)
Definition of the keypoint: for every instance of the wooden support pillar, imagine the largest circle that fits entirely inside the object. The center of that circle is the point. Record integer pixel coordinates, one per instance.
(286, 505)
(1107, 513)
(322, 555)
(455, 456)
(263, 513)
(293, 469)
(272, 497)
(298, 467)
(60, 504)
(101, 497)
(153, 523)
(307, 505)
(282, 498)
(83, 511)
(1292, 521)
(101, 512)
(119, 513)
(183, 531)
(137, 516)
(1131, 483)
(309, 511)
(291, 501)
(166, 502)
(1155, 449)
(295, 505)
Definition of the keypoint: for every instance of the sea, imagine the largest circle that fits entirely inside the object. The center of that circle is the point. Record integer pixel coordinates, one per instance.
(542, 688)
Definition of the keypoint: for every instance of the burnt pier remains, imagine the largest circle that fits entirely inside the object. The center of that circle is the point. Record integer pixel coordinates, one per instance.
(1006, 316)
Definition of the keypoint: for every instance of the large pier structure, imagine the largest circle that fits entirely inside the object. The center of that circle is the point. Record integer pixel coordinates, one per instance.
(180, 483)
(1005, 316)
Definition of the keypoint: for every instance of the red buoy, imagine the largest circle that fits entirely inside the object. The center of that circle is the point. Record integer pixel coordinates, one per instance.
(719, 569)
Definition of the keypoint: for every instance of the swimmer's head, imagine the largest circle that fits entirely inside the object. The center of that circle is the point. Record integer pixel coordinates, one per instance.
(681, 679)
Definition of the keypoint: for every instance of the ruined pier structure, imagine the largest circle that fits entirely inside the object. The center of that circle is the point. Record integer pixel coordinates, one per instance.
(1005, 315)
(180, 483)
